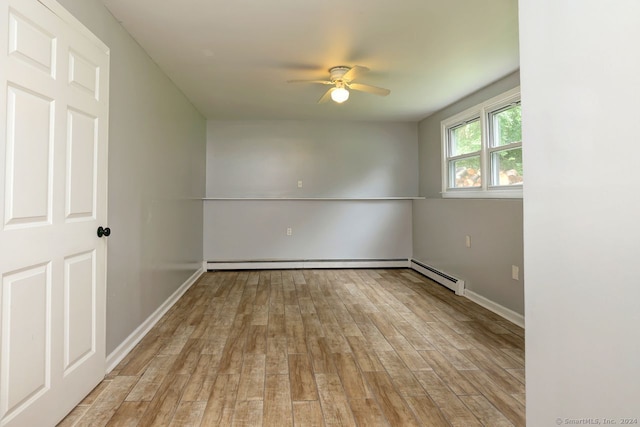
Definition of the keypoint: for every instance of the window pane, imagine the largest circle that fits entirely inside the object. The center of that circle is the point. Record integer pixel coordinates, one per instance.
(465, 172)
(507, 126)
(465, 138)
(507, 167)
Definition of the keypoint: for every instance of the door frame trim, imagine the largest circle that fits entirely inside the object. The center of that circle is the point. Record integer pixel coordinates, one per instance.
(74, 22)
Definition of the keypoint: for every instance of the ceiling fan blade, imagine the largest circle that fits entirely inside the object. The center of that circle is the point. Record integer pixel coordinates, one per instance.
(369, 89)
(326, 96)
(322, 82)
(354, 72)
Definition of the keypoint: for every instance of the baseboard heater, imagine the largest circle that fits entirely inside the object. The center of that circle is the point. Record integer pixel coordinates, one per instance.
(307, 263)
(453, 283)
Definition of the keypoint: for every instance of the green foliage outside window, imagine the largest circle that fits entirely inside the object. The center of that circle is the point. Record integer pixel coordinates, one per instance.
(508, 129)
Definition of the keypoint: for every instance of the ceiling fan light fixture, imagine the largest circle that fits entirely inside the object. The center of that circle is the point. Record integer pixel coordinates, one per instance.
(340, 95)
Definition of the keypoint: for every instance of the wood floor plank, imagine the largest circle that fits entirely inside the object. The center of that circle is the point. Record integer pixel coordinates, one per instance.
(312, 325)
(367, 412)
(296, 338)
(197, 380)
(91, 397)
(143, 354)
(277, 361)
(72, 417)
(320, 354)
(453, 409)
(335, 406)
(248, 413)
(251, 385)
(426, 411)
(303, 385)
(256, 339)
(520, 398)
(506, 403)
(313, 348)
(157, 370)
(163, 405)
(408, 354)
(413, 336)
(221, 405)
(485, 411)
(108, 402)
(392, 405)
(277, 401)
(128, 414)
(334, 339)
(449, 374)
(260, 315)
(404, 380)
(188, 359)
(307, 414)
(352, 380)
(374, 338)
(365, 355)
(188, 414)
(501, 377)
(519, 374)
(357, 312)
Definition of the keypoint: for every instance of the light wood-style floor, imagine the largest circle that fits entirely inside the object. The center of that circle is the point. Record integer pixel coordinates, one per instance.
(313, 348)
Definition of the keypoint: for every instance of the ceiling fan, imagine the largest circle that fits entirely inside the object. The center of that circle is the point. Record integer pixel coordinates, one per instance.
(341, 78)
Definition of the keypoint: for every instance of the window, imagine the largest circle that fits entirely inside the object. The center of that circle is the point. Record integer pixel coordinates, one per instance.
(482, 150)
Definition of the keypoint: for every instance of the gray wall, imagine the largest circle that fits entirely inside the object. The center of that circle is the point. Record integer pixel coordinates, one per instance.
(495, 226)
(156, 174)
(580, 91)
(266, 158)
(334, 159)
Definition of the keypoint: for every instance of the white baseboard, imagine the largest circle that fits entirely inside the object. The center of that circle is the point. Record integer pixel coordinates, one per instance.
(301, 264)
(498, 309)
(136, 336)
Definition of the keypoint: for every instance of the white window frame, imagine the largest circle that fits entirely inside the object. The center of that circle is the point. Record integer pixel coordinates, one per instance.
(482, 111)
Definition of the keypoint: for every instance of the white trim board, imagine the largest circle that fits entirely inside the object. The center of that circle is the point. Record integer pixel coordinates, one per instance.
(459, 289)
(74, 22)
(510, 315)
(322, 199)
(136, 336)
(302, 264)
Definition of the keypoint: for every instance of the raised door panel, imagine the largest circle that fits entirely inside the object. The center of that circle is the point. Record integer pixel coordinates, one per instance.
(26, 337)
(29, 156)
(83, 74)
(79, 309)
(32, 44)
(81, 165)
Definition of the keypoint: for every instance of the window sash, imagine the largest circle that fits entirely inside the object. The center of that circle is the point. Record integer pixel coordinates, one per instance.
(453, 142)
(486, 113)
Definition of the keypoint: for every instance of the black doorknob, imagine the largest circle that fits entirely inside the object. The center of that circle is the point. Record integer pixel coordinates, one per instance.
(104, 231)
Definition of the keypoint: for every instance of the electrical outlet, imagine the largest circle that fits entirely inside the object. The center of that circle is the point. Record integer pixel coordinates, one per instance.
(289, 231)
(515, 272)
(299, 183)
(468, 241)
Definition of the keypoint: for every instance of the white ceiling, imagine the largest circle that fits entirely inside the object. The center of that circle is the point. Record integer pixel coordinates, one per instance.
(233, 58)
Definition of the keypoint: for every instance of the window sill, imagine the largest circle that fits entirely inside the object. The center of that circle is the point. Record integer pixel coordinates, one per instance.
(483, 194)
(313, 198)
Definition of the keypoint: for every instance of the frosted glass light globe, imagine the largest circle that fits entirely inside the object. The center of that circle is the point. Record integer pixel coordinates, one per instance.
(340, 95)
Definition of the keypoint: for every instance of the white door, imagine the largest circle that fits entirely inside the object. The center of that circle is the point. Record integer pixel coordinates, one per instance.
(53, 155)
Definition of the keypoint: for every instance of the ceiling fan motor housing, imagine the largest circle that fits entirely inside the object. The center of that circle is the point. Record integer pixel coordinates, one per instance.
(338, 72)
